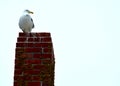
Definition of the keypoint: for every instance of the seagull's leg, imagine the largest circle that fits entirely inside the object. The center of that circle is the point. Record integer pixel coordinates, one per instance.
(33, 35)
(27, 35)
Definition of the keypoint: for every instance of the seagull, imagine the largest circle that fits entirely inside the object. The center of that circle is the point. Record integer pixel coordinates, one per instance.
(26, 22)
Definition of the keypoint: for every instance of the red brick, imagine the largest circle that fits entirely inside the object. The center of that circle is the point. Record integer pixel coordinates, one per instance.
(36, 39)
(18, 71)
(21, 44)
(43, 44)
(47, 77)
(37, 56)
(46, 45)
(20, 56)
(28, 50)
(27, 66)
(48, 39)
(17, 65)
(23, 55)
(37, 50)
(19, 50)
(21, 39)
(32, 34)
(42, 56)
(17, 77)
(27, 55)
(30, 44)
(24, 44)
(33, 83)
(36, 78)
(16, 83)
(45, 34)
(47, 50)
(46, 83)
(37, 44)
(33, 61)
(39, 66)
(32, 72)
(35, 34)
(46, 61)
(27, 77)
(49, 56)
(22, 34)
(42, 34)
(43, 68)
(33, 39)
(18, 62)
(26, 34)
(30, 39)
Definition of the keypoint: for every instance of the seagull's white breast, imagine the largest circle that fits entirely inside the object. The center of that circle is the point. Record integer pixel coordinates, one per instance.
(25, 23)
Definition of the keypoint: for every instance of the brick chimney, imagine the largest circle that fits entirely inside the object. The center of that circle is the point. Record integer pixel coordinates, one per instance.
(34, 60)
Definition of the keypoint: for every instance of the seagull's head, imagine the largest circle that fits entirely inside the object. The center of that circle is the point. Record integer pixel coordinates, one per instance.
(28, 12)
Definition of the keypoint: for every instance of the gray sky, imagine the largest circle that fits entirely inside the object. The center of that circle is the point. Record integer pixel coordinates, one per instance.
(85, 35)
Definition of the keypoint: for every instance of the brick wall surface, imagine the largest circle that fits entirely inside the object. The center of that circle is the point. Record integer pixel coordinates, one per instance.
(34, 60)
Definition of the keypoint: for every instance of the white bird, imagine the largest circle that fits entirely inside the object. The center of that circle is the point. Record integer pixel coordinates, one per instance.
(26, 22)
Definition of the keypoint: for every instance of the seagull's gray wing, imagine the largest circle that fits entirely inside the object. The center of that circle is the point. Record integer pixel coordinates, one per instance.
(33, 23)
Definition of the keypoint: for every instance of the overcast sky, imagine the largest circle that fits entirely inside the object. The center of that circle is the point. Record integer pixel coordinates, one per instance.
(85, 34)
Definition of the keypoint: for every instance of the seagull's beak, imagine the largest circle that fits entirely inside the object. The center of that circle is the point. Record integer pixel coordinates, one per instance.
(30, 12)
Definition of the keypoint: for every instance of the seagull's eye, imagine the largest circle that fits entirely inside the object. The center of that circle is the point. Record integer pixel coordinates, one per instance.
(27, 10)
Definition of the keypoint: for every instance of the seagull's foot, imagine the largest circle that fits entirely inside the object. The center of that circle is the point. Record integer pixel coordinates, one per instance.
(27, 36)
